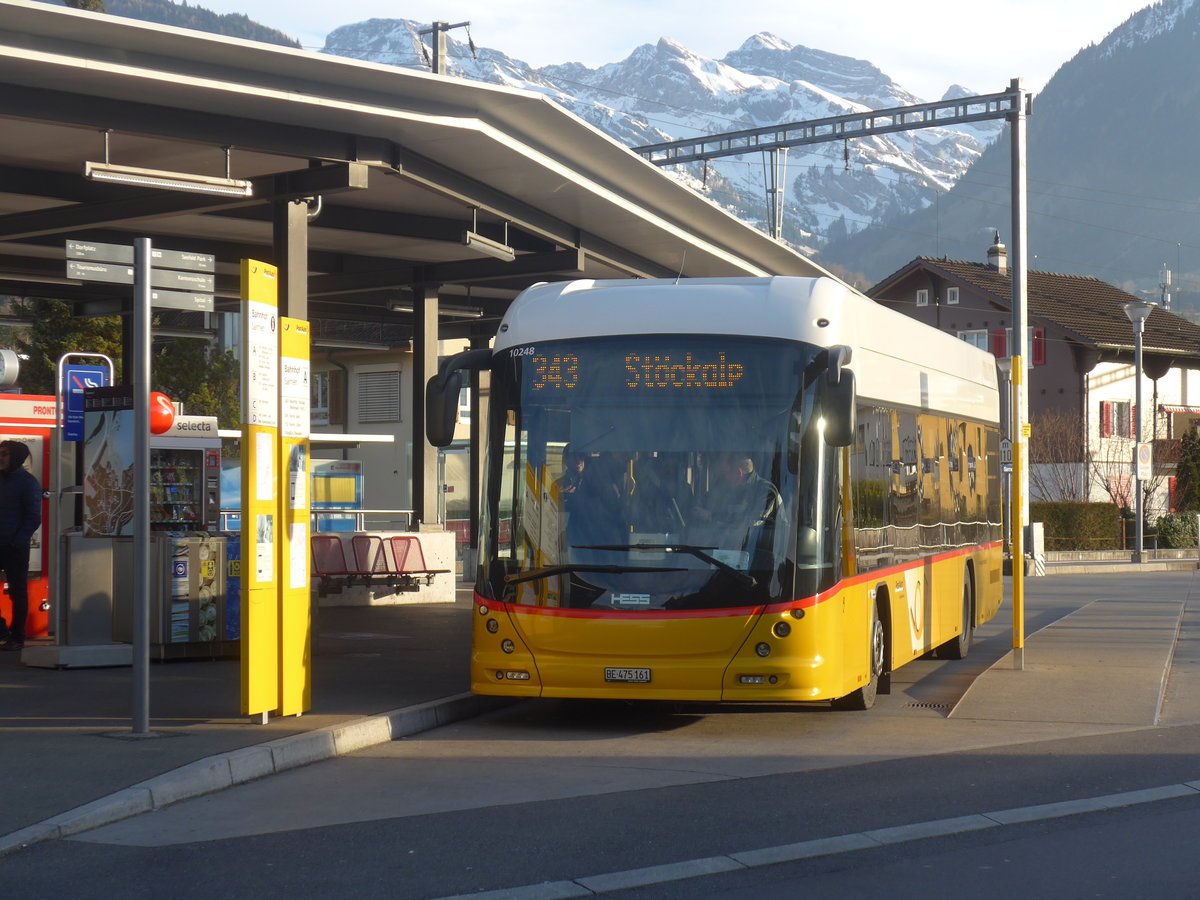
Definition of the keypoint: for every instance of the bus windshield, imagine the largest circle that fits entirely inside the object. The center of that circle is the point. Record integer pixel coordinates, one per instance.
(648, 473)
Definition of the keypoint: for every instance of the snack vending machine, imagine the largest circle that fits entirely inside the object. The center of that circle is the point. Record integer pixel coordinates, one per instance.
(184, 483)
(185, 471)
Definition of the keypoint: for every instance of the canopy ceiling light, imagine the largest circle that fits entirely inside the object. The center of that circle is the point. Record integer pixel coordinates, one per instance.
(170, 181)
(459, 312)
(487, 246)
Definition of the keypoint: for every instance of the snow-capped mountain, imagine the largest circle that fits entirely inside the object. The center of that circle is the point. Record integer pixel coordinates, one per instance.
(1147, 24)
(1113, 179)
(663, 92)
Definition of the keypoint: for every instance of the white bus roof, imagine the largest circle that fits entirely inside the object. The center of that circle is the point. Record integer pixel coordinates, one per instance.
(895, 358)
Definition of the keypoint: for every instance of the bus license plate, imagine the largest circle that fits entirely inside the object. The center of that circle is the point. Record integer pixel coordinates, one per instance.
(640, 676)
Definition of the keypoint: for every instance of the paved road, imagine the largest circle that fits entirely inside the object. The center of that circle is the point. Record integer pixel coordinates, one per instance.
(568, 794)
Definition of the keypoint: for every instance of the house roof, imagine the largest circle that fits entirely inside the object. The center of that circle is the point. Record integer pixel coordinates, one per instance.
(1086, 308)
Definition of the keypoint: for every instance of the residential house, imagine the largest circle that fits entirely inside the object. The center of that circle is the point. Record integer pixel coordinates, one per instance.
(1081, 386)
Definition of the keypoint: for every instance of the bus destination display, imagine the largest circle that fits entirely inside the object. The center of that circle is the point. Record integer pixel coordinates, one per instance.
(642, 371)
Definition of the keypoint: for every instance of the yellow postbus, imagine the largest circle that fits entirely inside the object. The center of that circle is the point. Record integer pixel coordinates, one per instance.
(745, 490)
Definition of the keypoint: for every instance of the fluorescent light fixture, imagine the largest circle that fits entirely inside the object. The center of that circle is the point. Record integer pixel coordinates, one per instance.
(488, 247)
(169, 181)
(459, 312)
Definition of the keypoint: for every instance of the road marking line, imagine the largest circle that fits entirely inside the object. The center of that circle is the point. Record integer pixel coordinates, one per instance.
(591, 885)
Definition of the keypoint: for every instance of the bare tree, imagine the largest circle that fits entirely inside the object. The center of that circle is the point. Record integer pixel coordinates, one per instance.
(1111, 469)
(92, 5)
(1058, 470)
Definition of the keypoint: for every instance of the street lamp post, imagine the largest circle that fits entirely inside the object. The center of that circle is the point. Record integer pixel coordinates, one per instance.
(1004, 365)
(1138, 311)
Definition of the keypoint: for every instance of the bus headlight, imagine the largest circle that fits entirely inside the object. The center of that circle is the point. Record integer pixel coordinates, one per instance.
(492, 626)
(506, 645)
(780, 629)
(763, 649)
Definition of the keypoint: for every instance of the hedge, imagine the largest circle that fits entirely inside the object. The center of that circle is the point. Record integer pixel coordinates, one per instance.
(1177, 530)
(1079, 526)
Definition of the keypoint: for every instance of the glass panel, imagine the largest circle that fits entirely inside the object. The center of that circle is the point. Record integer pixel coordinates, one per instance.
(647, 473)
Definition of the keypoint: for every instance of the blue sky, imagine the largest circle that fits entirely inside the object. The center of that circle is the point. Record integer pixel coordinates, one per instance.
(925, 46)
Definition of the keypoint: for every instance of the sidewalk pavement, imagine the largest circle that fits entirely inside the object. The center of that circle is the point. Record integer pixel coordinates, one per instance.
(72, 763)
(70, 760)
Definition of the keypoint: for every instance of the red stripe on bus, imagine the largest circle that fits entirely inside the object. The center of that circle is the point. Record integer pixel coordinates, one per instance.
(730, 612)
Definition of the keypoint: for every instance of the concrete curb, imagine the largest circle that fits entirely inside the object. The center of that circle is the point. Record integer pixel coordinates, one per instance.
(1120, 568)
(224, 770)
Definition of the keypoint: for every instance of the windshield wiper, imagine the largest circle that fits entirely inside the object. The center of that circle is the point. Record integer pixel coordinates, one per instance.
(547, 571)
(744, 578)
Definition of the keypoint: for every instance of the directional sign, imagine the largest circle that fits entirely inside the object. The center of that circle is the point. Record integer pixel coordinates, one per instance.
(159, 259)
(180, 259)
(110, 253)
(193, 302)
(115, 273)
(190, 281)
(112, 273)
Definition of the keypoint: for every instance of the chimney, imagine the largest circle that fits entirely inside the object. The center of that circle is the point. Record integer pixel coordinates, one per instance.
(997, 256)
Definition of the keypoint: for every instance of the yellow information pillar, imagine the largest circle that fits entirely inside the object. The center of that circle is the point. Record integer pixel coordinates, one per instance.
(295, 596)
(260, 501)
(1018, 525)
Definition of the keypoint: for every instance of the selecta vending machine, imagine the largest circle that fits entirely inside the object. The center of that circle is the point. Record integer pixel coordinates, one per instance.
(188, 604)
(31, 419)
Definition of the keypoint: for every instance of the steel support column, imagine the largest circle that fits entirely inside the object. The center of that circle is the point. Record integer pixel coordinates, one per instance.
(425, 364)
(481, 382)
(291, 256)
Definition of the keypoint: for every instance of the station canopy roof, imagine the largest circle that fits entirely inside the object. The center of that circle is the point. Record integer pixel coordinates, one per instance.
(404, 164)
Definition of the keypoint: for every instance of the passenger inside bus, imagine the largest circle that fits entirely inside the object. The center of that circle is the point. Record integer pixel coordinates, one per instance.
(597, 502)
(741, 497)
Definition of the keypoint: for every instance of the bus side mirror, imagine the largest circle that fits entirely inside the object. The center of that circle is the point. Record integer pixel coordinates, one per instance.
(441, 394)
(441, 408)
(838, 401)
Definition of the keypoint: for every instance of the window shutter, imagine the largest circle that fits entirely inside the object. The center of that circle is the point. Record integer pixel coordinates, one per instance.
(1133, 421)
(337, 397)
(997, 342)
(1105, 419)
(1038, 350)
(1171, 494)
(379, 397)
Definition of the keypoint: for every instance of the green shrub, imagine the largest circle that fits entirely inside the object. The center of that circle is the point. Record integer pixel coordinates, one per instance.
(1177, 530)
(1079, 526)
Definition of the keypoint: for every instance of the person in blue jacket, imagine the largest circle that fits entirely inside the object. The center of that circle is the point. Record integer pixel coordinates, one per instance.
(20, 516)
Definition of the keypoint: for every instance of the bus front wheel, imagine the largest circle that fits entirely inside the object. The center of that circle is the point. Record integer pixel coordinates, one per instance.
(864, 697)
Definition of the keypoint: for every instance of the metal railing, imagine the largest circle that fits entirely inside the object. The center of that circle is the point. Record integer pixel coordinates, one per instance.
(403, 516)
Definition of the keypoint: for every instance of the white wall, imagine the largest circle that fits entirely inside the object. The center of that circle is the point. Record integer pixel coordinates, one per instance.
(1116, 382)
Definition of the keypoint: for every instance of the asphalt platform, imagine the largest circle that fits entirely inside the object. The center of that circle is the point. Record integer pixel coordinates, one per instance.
(71, 762)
